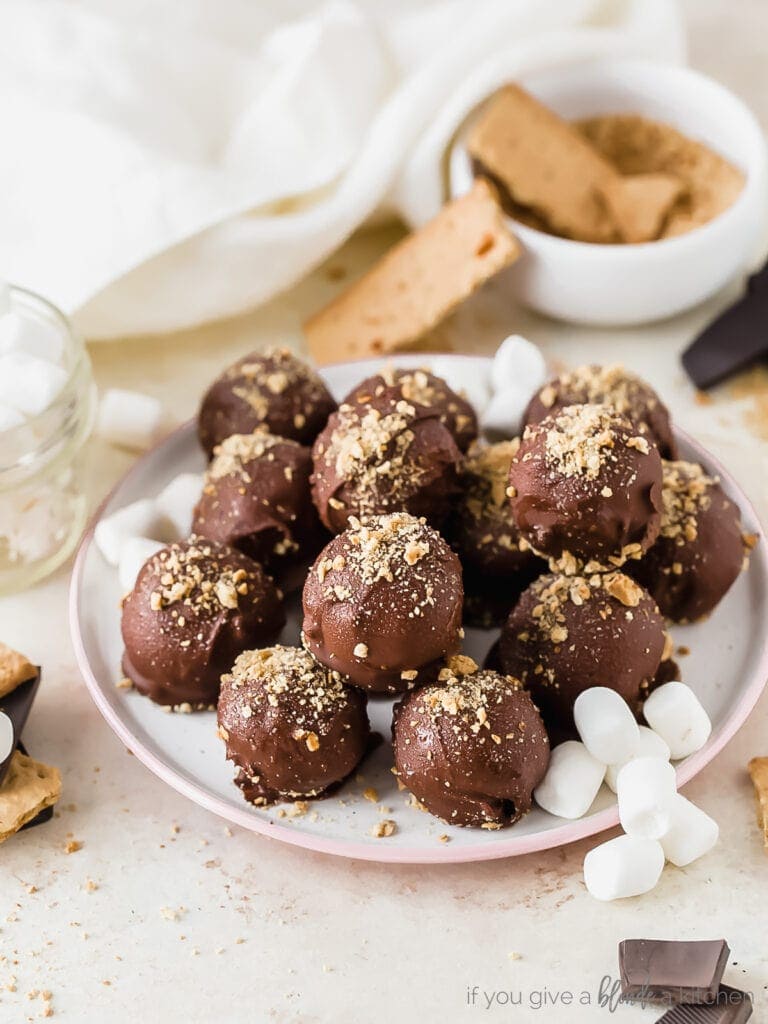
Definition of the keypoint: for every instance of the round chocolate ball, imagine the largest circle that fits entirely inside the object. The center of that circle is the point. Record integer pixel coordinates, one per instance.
(382, 603)
(608, 385)
(195, 606)
(256, 498)
(422, 388)
(271, 391)
(471, 748)
(700, 550)
(292, 727)
(585, 489)
(386, 456)
(569, 633)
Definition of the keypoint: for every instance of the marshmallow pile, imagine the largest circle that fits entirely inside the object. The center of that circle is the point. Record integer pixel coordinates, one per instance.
(660, 825)
(31, 354)
(130, 419)
(134, 533)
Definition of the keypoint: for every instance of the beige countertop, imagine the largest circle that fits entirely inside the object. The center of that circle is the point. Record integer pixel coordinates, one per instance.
(165, 914)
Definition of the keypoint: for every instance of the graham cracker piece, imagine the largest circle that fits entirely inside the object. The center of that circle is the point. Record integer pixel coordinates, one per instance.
(28, 789)
(758, 769)
(545, 164)
(640, 203)
(418, 282)
(15, 669)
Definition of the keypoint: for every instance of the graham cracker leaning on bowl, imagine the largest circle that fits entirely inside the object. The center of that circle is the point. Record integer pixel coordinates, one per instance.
(758, 770)
(549, 168)
(417, 283)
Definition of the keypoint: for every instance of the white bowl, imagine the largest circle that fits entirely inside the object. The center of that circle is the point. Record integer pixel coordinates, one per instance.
(630, 284)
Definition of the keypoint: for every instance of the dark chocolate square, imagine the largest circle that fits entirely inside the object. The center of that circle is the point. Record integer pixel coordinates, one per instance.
(656, 970)
(730, 1006)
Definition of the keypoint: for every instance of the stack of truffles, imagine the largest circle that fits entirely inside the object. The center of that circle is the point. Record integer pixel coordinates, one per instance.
(580, 537)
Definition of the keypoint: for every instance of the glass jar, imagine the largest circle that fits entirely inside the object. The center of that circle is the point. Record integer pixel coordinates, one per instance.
(42, 502)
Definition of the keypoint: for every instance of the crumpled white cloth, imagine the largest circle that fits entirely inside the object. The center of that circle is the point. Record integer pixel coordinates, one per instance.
(169, 162)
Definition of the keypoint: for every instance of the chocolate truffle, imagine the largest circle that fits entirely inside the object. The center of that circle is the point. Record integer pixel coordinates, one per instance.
(608, 385)
(382, 603)
(700, 550)
(271, 391)
(422, 388)
(292, 727)
(569, 633)
(195, 606)
(256, 498)
(585, 489)
(387, 456)
(471, 748)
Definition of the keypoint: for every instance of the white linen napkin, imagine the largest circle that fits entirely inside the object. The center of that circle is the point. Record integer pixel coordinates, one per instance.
(169, 162)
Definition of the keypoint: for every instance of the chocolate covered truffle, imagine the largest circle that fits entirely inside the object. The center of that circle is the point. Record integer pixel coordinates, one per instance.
(271, 391)
(195, 606)
(608, 385)
(471, 748)
(422, 388)
(585, 489)
(569, 633)
(382, 603)
(388, 455)
(256, 498)
(700, 550)
(292, 727)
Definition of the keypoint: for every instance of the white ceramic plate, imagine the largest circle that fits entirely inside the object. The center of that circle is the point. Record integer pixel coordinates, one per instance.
(728, 666)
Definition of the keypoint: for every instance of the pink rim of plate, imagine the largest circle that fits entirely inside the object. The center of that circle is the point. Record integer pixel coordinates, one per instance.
(570, 832)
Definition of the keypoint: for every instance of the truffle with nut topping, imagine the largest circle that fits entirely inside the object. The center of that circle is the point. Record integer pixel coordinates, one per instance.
(585, 489)
(629, 395)
(498, 563)
(700, 550)
(422, 388)
(388, 455)
(472, 747)
(271, 391)
(293, 728)
(256, 498)
(195, 606)
(569, 633)
(383, 602)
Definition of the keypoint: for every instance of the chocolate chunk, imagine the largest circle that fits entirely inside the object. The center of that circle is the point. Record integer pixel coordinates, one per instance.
(16, 706)
(730, 1006)
(734, 340)
(654, 970)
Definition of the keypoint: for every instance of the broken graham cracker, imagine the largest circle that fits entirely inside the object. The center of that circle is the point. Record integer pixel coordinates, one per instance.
(15, 669)
(640, 203)
(418, 282)
(758, 770)
(29, 788)
(550, 170)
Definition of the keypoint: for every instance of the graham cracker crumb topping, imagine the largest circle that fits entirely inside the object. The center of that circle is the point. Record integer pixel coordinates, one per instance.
(232, 456)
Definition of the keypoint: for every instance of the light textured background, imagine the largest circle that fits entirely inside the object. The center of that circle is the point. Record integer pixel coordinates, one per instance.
(187, 922)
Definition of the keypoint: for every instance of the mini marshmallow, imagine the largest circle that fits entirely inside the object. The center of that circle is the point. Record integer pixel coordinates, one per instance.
(28, 384)
(35, 337)
(519, 364)
(503, 417)
(475, 387)
(606, 725)
(572, 781)
(177, 500)
(129, 419)
(7, 737)
(650, 744)
(139, 519)
(646, 788)
(625, 866)
(9, 418)
(675, 713)
(691, 834)
(134, 552)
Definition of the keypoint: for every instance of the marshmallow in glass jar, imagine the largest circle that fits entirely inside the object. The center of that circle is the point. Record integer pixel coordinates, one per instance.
(47, 401)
